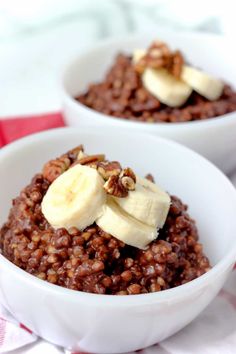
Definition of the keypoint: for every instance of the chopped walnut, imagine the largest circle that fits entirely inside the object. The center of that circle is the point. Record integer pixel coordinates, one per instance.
(128, 172)
(128, 179)
(128, 183)
(91, 159)
(114, 187)
(176, 64)
(120, 185)
(73, 153)
(158, 56)
(108, 169)
(55, 168)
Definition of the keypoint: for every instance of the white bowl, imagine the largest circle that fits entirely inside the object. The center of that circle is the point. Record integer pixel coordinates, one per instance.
(213, 138)
(117, 324)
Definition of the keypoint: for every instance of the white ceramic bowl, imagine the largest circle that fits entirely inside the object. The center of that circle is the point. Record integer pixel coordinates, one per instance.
(117, 324)
(213, 138)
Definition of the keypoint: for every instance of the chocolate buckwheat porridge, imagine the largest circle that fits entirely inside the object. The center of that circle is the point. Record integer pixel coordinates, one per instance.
(157, 85)
(82, 223)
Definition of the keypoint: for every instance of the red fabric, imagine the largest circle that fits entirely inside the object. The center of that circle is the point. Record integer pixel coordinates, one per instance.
(15, 128)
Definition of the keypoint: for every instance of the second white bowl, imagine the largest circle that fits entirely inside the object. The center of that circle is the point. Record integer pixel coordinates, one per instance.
(213, 138)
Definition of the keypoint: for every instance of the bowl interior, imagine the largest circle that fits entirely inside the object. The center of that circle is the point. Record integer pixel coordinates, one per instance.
(210, 196)
(207, 52)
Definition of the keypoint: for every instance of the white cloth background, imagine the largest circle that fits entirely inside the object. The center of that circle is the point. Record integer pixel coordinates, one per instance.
(37, 38)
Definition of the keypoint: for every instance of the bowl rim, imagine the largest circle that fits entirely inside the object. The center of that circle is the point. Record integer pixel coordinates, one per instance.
(173, 294)
(104, 44)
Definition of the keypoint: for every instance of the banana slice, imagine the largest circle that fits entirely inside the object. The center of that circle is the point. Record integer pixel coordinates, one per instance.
(201, 82)
(148, 203)
(204, 84)
(125, 228)
(75, 198)
(165, 87)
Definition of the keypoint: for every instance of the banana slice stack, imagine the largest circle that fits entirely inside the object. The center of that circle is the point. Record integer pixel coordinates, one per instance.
(77, 199)
(174, 92)
(135, 220)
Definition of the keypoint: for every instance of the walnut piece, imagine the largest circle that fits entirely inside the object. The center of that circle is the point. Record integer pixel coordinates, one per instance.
(120, 184)
(114, 187)
(73, 153)
(108, 169)
(128, 179)
(128, 172)
(55, 168)
(91, 159)
(128, 183)
(158, 56)
(176, 64)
